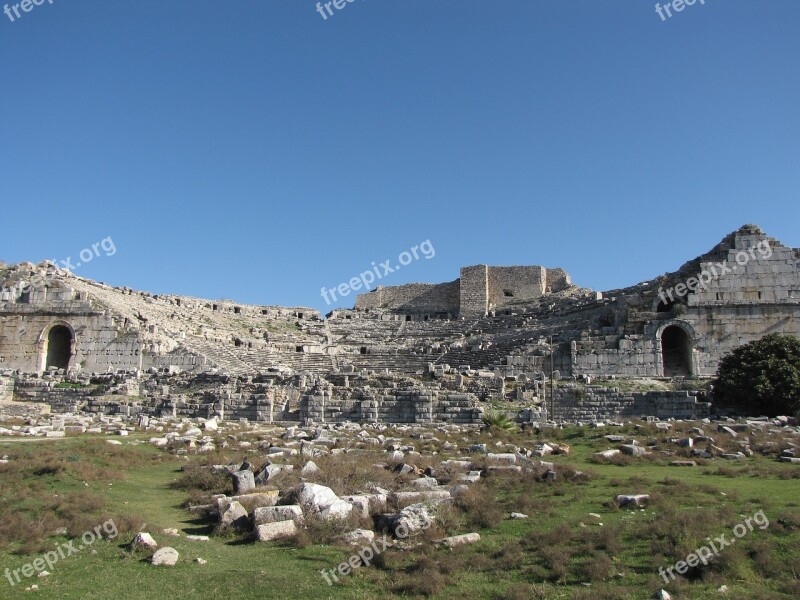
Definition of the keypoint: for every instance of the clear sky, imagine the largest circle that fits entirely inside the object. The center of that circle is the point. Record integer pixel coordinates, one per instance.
(255, 151)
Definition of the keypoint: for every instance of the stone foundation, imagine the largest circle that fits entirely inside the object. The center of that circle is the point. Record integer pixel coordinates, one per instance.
(589, 404)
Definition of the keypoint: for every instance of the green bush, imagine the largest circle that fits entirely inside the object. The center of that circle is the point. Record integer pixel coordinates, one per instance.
(497, 421)
(762, 377)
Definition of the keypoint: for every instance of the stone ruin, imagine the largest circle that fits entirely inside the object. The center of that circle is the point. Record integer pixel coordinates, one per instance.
(416, 353)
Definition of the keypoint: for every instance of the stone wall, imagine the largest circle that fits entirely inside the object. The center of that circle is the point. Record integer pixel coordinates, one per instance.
(98, 345)
(6, 389)
(174, 361)
(720, 331)
(398, 407)
(755, 291)
(557, 280)
(61, 400)
(414, 298)
(759, 271)
(506, 284)
(593, 403)
(474, 291)
(631, 357)
(28, 314)
(486, 288)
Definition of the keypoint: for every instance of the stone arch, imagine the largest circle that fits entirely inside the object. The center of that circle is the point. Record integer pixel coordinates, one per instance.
(660, 306)
(57, 346)
(675, 342)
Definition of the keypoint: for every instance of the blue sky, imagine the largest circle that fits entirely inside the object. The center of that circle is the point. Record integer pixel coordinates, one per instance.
(252, 150)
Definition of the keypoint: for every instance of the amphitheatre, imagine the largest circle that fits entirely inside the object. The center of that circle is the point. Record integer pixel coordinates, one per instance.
(507, 434)
(415, 353)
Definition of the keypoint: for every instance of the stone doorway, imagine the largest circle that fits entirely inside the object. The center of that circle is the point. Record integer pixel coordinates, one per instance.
(59, 347)
(676, 352)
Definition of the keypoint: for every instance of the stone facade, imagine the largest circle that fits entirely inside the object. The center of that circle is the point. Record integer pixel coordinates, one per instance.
(479, 290)
(594, 403)
(413, 406)
(60, 325)
(750, 287)
(414, 299)
(379, 360)
(474, 291)
(6, 389)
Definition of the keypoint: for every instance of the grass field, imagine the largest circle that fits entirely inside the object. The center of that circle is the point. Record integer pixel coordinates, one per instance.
(561, 551)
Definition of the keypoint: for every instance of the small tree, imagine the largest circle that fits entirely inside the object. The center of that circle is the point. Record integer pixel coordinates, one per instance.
(762, 377)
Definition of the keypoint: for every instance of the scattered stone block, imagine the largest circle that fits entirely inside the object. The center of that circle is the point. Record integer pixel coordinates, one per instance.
(235, 517)
(243, 482)
(279, 530)
(273, 514)
(460, 540)
(143, 540)
(635, 500)
(165, 556)
(359, 537)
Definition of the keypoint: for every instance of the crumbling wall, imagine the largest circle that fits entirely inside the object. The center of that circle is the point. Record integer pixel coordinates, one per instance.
(755, 269)
(6, 389)
(593, 403)
(413, 298)
(60, 400)
(401, 406)
(557, 280)
(507, 284)
(173, 361)
(721, 330)
(97, 345)
(474, 291)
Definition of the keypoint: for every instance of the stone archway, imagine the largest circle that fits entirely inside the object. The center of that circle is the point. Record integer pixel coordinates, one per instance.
(57, 346)
(676, 352)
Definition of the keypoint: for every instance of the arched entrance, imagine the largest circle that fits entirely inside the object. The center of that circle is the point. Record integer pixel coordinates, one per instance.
(665, 306)
(676, 352)
(59, 347)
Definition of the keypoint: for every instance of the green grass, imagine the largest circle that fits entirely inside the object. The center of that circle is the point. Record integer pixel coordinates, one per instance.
(549, 555)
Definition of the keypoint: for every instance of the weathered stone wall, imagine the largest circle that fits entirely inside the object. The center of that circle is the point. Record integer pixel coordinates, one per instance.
(755, 291)
(414, 298)
(6, 389)
(632, 357)
(399, 407)
(180, 361)
(557, 280)
(97, 345)
(474, 291)
(757, 270)
(720, 331)
(743, 289)
(506, 284)
(510, 284)
(603, 404)
(29, 312)
(61, 400)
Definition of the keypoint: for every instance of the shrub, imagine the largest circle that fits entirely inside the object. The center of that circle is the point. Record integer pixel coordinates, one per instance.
(479, 506)
(497, 421)
(762, 377)
(598, 568)
(195, 478)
